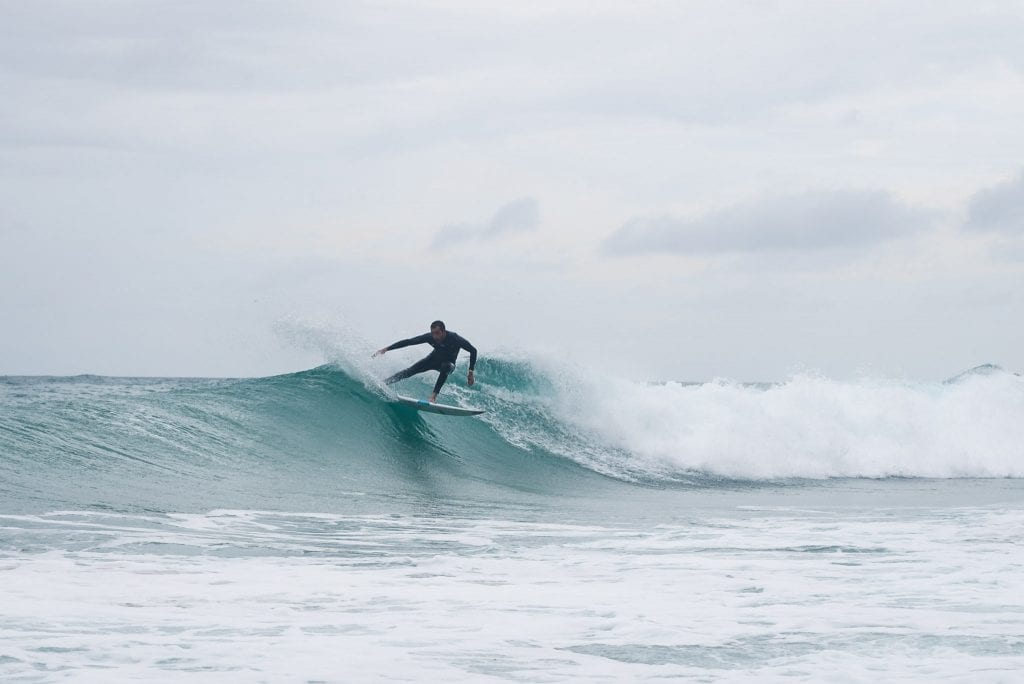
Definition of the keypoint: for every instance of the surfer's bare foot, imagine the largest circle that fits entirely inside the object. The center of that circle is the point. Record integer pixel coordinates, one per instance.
(433, 398)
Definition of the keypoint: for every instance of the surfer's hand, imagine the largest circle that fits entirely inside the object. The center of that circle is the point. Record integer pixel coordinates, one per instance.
(433, 398)
(469, 379)
(379, 352)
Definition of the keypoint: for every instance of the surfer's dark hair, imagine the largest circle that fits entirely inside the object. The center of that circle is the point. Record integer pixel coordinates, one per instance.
(437, 324)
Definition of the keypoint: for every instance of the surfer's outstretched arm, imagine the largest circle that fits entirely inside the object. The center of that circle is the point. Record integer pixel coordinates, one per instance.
(419, 339)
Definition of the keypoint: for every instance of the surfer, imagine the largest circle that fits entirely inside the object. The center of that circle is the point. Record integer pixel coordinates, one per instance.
(446, 344)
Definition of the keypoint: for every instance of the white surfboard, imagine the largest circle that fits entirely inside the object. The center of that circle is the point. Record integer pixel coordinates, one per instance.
(445, 409)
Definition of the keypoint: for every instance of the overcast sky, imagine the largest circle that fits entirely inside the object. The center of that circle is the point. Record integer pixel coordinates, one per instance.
(669, 190)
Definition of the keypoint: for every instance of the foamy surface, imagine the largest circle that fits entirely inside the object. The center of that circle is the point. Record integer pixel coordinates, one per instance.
(749, 594)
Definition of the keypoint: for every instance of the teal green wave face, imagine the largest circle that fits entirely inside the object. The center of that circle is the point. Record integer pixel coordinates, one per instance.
(315, 440)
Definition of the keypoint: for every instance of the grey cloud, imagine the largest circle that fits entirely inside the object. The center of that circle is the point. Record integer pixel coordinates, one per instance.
(998, 209)
(818, 221)
(515, 217)
(451, 235)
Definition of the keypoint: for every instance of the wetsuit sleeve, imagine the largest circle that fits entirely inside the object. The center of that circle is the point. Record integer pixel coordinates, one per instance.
(419, 339)
(472, 352)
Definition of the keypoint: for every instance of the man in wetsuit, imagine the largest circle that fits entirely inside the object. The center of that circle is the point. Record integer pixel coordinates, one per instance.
(446, 346)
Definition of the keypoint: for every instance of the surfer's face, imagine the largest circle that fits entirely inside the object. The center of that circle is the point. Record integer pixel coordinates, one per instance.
(438, 334)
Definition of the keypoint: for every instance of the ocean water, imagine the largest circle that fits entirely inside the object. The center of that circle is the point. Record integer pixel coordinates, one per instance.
(303, 528)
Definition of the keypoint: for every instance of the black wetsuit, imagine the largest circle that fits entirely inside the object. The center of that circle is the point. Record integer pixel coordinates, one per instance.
(442, 359)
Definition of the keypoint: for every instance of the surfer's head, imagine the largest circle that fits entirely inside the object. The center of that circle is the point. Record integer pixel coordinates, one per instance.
(437, 330)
